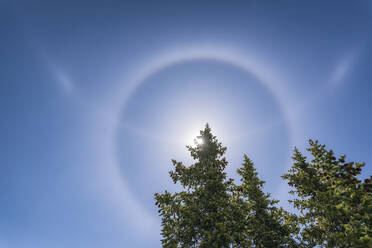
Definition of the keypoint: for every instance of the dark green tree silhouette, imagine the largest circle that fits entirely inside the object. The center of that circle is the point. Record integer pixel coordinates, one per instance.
(266, 225)
(213, 211)
(335, 206)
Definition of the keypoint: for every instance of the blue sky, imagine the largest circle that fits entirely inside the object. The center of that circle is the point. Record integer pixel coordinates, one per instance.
(96, 98)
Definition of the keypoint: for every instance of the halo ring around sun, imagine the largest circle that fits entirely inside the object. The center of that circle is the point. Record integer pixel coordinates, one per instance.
(247, 64)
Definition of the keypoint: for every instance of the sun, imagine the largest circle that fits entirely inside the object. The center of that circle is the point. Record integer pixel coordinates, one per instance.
(193, 138)
(199, 141)
(194, 141)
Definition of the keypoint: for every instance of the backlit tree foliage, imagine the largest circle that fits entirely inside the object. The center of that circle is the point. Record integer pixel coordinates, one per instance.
(335, 207)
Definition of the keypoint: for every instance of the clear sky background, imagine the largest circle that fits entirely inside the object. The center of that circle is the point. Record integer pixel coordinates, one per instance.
(96, 98)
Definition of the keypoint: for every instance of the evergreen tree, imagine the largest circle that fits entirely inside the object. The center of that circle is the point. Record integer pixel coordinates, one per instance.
(266, 224)
(214, 212)
(335, 206)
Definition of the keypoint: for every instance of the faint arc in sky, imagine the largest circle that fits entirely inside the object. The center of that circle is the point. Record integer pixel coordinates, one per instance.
(250, 66)
(218, 54)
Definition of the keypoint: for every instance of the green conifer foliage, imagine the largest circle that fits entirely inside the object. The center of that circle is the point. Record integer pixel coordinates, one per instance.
(335, 206)
(198, 216)
(212, 211)
(267, 225)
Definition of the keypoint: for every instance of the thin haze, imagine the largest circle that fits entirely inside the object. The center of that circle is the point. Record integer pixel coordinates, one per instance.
(96, 98)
